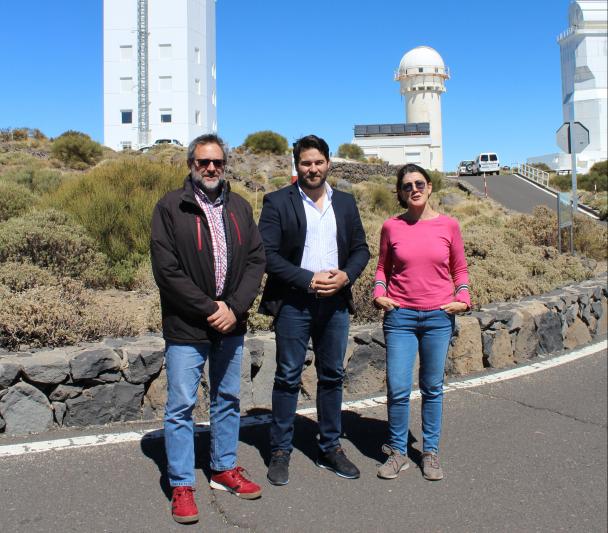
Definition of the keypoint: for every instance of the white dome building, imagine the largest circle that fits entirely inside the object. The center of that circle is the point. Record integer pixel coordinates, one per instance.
(421, 74)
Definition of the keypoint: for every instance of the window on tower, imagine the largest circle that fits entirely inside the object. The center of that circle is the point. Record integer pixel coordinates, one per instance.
(126, 52)
(165, 83)
(126, 116)
(166, 116)
(197, 55)
(165, 51)
(126, 85)
(197, 86)
(197, 118)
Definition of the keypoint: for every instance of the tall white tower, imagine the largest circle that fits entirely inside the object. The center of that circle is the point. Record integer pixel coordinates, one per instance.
(583, 48)
(159, 71)
(422, 76)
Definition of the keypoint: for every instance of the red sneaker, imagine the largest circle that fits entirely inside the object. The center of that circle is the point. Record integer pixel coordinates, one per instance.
(234, 481)
(183, 505)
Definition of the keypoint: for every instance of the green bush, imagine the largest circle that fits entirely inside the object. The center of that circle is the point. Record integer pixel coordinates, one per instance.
(14, 200)
(114, 202)
(350, 151)
(266, 141)
(50, 239)
(76, 149)
(382, 199)
(541, 166)
(280, 181)
(436, 179)
(38, 180)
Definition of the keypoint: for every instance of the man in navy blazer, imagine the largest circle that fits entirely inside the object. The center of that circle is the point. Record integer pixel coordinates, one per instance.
(315, 250)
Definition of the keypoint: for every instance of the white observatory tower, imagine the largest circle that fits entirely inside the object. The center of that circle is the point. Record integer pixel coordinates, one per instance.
(422, 76)
(159, 71)
(585, 75)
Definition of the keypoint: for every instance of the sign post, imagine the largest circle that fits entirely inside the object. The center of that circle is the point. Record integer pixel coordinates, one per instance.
(572, 137)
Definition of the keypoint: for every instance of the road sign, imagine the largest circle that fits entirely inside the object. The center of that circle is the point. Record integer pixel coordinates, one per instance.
(580, 138)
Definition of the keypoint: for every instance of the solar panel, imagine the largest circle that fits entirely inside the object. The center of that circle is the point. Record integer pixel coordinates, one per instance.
(366, 130)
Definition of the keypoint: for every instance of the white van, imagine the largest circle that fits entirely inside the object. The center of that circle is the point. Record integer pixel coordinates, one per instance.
(486, 163)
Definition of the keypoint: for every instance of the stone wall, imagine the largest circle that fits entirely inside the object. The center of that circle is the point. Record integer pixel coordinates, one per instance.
(119, 380)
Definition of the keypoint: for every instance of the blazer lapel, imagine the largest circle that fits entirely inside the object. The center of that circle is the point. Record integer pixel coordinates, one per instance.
(298, 209)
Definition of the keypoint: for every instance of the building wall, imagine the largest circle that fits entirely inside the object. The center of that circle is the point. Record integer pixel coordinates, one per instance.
(181, 70)
(584, 63)
(397, 150)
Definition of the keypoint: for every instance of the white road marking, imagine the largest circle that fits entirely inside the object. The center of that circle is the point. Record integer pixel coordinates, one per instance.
(87, 441)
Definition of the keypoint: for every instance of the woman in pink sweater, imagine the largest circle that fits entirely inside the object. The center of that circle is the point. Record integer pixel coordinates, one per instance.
(421, 283)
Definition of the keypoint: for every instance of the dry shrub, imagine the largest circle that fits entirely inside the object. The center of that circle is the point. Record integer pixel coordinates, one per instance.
(49, 239)
(56, 316)
(18, 277)
(14, 200)
(505, 265)
(540, 228)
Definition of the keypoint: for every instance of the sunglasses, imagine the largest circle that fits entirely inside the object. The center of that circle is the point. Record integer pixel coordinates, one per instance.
(409, 186)
(217, 163)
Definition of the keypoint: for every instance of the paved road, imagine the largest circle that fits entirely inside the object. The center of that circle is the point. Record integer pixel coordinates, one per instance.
(513, 192)
(528, 454)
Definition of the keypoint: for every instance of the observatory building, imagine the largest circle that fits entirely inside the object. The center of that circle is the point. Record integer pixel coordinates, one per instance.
(159, 71)
(584, 61)
(421, 76)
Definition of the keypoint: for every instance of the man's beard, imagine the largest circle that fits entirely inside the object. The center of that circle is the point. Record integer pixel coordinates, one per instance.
(206, 187)
(304, 184)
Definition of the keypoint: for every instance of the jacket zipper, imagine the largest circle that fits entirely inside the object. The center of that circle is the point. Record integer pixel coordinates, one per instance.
(198, 233)
(238, 231)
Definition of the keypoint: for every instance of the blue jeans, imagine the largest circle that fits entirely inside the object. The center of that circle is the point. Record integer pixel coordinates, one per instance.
(406, 332)
(325, 321)
(184, 363)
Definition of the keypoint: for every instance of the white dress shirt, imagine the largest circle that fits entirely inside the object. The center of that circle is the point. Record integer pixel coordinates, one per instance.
(321, 246)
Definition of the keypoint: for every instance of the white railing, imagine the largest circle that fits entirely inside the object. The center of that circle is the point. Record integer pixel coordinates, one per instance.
(535, 174)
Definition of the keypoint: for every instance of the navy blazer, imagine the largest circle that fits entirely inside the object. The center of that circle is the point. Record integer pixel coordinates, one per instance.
(283, 229)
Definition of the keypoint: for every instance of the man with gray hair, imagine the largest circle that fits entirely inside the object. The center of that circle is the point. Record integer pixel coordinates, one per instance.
(208, 261)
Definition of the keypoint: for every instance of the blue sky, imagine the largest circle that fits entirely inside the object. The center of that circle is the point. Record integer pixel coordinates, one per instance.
(314, 67)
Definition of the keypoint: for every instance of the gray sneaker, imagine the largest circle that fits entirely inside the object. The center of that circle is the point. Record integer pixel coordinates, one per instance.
(431, 469)
(395, 462)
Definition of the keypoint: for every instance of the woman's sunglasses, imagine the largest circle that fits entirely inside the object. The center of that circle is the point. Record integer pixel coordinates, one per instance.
(409, 186)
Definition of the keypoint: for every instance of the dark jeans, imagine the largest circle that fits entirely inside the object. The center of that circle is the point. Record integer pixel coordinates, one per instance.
(325, 321)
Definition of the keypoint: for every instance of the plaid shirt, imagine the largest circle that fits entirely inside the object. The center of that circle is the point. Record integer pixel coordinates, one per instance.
(213, 212)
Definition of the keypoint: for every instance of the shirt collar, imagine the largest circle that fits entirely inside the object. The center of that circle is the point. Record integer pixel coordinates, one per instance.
(328, 190)
(203, 196)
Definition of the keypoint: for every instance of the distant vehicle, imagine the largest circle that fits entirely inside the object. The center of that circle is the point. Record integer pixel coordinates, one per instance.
(167, 141)
(486, 163)
(505, 167)
(465, 168)
(159, 142)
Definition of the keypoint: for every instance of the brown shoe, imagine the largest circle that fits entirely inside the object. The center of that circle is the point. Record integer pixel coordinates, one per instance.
(431, 469)
(395, 462)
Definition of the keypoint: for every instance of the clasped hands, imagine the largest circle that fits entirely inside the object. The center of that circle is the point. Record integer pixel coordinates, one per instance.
(328, 283)
(387, 304)
(224, 319)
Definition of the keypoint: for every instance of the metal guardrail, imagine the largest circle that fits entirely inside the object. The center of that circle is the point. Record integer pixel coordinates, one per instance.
(535, 174)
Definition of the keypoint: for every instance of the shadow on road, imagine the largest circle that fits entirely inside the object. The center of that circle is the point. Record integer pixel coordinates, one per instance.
(365, 434)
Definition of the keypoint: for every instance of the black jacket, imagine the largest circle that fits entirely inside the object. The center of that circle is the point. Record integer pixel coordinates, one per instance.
(283, 230)
(182, 262)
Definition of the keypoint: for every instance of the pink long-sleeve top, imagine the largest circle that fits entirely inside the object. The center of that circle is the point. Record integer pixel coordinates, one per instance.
(422, 264)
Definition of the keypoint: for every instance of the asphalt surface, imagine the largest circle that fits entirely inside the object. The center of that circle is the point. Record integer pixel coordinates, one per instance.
(513, 192)
(527, 454)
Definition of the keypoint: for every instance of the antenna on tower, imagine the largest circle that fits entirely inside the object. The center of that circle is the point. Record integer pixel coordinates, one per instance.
(143, 121)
